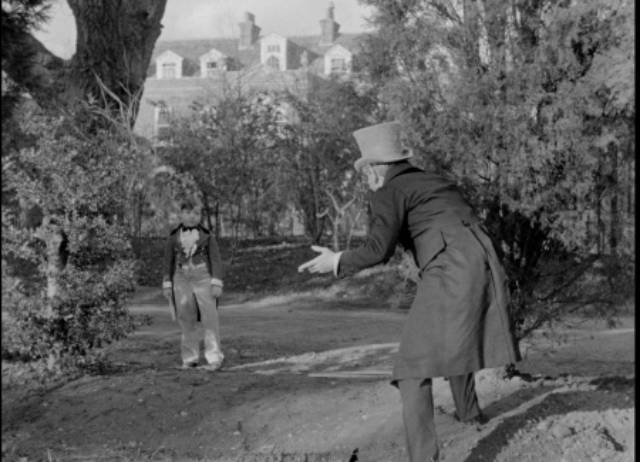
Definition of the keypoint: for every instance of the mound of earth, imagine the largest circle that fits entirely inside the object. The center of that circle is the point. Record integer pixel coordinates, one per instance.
(605, 436)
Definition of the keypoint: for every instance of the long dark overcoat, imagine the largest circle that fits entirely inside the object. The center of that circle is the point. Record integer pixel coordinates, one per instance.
(458, 322)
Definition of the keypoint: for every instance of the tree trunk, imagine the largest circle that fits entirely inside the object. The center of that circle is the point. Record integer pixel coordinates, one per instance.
(496, 27)
(352, 227)
(115, 40)
(598, 198)
(53, 240)
(207, 210)
(336, 234)
(630, 191)
(217, 220)
(472, 39)
(614, 231)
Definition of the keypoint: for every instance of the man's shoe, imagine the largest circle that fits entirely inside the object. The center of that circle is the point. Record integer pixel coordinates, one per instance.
(211, 367)
(480, 419)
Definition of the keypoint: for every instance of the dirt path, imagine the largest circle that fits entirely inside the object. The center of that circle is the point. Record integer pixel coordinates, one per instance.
(307, 379)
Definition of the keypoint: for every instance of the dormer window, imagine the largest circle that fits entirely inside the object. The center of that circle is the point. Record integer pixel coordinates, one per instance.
(338, 66)
(337, 60)
(169, 71)
(212, 66)
(213, 62)
(169, 65)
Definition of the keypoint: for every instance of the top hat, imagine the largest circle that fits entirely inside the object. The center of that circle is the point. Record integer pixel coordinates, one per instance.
(380, 144)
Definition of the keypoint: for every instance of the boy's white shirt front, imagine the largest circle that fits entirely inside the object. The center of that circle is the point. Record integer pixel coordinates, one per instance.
(188, 241)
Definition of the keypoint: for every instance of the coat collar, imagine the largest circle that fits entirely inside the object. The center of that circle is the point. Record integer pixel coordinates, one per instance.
(397, 169)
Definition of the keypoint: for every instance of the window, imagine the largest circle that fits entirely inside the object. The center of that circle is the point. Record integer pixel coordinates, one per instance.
(273, 62)
(338, 65)
(273, 48)
(169, 70)
(212, 66)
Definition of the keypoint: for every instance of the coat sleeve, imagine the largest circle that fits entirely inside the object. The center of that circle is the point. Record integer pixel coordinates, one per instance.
(168, 262)
(387, 218)
(215, 260)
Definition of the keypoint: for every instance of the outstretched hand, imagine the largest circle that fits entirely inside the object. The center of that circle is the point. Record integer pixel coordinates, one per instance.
(323, 263)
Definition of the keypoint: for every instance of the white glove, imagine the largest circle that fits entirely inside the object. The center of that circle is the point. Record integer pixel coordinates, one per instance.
(326, 262)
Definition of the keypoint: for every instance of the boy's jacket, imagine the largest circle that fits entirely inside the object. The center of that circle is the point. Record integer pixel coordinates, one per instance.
(202, 248)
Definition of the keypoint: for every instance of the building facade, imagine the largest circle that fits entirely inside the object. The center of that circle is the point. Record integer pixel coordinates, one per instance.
(185, 71)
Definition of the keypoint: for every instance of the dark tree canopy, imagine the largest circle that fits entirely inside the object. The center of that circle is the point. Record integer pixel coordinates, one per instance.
(115, 40)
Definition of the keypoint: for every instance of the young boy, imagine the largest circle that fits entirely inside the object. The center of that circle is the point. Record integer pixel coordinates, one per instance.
(192, 283)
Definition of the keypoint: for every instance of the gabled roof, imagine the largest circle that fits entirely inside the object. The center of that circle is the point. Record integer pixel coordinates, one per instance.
(192, 50)
(273, 35)
(169, 55)
(351, 42)
(337, 48)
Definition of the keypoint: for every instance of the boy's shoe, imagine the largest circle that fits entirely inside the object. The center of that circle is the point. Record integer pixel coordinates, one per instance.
(189, 365)
(211, 366)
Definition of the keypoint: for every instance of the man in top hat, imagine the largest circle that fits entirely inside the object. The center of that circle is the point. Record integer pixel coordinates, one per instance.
(458, 322)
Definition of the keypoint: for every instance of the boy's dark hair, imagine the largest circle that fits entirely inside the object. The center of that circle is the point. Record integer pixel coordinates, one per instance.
(189, 204)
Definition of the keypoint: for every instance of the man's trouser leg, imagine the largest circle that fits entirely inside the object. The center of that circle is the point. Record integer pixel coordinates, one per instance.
(419, 424)
(463, 389)
(209, 310)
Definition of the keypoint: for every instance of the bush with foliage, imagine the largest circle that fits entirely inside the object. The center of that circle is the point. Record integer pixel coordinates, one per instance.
(531, 107)
(67, 273)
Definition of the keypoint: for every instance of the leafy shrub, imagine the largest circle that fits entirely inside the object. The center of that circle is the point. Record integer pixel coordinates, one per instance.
(71, 272)
(549, 278)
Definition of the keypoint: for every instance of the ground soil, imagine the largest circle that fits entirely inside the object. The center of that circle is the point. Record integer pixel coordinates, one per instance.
(306, 378)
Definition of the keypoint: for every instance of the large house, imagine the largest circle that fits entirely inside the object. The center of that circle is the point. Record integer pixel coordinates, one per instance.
(185, 71)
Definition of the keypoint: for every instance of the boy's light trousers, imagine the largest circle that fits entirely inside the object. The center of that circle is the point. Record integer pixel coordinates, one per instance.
(194, 303)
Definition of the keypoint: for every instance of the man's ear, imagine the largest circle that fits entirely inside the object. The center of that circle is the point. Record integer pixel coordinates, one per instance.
(379, 172)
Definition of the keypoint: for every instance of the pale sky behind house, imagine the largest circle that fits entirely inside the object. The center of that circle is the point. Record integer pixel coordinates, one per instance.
(190, 19)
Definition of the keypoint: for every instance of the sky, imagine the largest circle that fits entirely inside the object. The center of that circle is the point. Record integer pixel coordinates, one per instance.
(185, 19)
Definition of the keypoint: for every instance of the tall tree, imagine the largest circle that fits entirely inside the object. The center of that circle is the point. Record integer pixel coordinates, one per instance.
(72, 157)
(114, 43)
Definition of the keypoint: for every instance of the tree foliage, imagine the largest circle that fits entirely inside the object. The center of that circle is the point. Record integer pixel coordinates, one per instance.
(259, 158)
(72, 171)
(320, 154)
(530, 105)
(230, 149)
(66, 303)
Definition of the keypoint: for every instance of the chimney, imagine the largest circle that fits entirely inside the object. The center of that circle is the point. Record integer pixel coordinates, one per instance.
(249, 32)
(329, 27)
